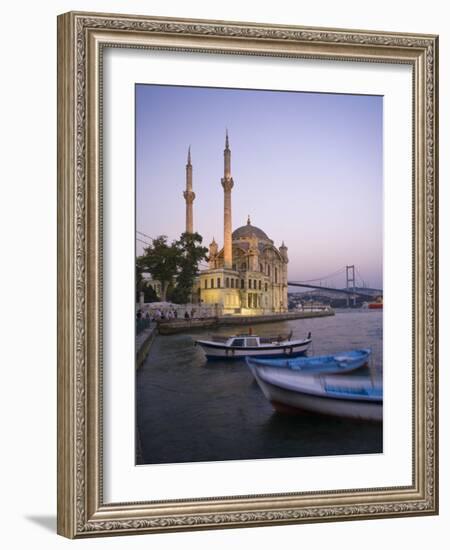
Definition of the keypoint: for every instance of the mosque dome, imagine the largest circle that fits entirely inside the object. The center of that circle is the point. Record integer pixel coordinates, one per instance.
(247, 231)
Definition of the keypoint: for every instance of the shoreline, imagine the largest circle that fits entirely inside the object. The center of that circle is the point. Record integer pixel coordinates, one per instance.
(143, 343)
(183, 325)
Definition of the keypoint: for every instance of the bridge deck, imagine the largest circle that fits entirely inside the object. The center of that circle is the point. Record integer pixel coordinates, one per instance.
(340, 290)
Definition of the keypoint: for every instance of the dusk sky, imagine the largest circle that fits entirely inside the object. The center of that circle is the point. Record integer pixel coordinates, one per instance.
(307, 168)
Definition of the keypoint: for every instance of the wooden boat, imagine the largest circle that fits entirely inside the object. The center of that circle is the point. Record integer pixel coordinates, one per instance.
(339, 395)
(338, 363)
(249, 345)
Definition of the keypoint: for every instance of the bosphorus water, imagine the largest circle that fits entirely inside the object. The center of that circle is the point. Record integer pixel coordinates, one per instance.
(190, 410)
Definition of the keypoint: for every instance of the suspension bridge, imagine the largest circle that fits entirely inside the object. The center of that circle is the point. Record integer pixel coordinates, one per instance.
(355, 285)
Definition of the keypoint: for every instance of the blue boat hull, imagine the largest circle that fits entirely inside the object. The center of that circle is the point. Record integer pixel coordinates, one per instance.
(339, 363)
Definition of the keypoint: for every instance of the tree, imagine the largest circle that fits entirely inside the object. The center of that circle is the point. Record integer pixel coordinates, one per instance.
(191, 252)
(174, 265)
(162, 261)
(143, 286)
(150, 294)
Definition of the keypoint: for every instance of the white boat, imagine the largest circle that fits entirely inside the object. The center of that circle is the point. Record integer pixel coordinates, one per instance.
(339, 395)
(345, 361)
(249, 345)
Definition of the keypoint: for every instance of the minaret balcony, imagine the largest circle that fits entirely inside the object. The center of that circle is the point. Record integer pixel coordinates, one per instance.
(227, 184)
(189, 196)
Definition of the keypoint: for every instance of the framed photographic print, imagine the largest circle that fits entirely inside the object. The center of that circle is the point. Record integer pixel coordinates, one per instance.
(247, 277)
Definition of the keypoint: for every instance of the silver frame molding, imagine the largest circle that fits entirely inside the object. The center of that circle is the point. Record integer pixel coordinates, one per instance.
(81, 38)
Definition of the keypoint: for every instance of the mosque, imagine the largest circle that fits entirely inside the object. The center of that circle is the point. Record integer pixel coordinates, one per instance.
(248, 276)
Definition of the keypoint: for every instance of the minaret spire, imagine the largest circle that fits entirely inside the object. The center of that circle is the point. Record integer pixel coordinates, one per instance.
(227, 157)
(189, 195)
(227, 184)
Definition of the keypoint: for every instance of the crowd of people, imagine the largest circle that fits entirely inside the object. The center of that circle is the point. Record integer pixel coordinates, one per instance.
(163, 315)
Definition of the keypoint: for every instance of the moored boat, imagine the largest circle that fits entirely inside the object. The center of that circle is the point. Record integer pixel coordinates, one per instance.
(339, 395)
(340, 362)
(249, 345)
(377, 304)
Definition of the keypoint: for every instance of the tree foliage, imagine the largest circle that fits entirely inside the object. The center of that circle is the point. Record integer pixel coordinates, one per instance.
(175, 265)
(160, 259)
(141, 286)
(191, 252)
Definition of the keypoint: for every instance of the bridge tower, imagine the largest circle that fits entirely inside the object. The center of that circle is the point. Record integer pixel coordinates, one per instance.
(350, 283)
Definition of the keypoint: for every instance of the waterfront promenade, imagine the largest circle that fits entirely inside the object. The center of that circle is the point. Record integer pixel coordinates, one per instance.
(175, 326)
(144, 341)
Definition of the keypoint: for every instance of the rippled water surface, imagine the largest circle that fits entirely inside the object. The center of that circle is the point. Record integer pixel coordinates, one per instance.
(191, 410)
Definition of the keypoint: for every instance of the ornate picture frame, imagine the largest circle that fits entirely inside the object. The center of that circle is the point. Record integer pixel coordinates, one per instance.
(82, 38)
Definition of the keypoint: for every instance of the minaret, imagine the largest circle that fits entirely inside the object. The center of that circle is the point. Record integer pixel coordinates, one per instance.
(189, 195)
(284, 275)
(283, 251)
(253, 251)
(227, 184)
(213, 249)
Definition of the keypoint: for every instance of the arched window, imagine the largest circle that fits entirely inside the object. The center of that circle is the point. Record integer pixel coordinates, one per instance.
(242, 283)
(212, 283)
(243, 266)
(254, 283)
(276, 275)
(227, 282)
(232, 283)
(259, 286)
(218, 283)
(261, 268)
(206, 283)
